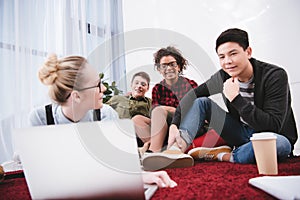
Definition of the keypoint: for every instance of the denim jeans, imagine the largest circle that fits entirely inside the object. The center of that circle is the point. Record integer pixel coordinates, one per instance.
(233, 131)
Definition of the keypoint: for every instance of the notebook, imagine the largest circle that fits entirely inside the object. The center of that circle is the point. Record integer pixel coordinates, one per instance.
(82, 160)
(281, 187)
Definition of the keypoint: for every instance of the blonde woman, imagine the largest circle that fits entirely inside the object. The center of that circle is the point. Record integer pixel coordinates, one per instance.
(77, 92)
(75, 89)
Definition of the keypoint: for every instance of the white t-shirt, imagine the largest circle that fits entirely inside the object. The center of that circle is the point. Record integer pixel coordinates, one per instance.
(38, 116)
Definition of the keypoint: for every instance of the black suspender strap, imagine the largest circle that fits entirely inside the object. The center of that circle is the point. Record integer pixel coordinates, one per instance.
(50, 119)
(97, 115)
(49, 115)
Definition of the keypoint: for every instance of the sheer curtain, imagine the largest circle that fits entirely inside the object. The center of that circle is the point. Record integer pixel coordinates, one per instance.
(29, 31)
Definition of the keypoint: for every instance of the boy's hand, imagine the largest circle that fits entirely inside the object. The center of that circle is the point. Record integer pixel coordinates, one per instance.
(175, 138)
(231, 88)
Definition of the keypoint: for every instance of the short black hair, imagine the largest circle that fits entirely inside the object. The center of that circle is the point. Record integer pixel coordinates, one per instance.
(233, 35)
(170, 51)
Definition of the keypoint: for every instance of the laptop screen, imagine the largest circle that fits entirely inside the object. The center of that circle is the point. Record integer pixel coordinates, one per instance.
(84, 160)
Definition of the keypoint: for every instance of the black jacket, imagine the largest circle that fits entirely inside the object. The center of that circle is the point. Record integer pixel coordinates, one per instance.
(272, 100)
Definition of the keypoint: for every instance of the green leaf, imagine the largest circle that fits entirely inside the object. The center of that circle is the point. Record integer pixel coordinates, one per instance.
(101, 75)
(108, 92)
(110, 89)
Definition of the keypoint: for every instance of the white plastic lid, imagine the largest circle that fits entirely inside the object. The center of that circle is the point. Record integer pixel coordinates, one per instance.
(263, 136)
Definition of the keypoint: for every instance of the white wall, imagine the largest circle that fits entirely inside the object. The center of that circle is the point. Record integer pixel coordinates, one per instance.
(193, 25)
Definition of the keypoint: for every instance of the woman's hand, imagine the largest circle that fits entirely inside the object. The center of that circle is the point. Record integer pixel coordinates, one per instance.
(161, 178)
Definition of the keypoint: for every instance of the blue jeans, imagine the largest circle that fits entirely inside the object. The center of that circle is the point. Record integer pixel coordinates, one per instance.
(233, 131)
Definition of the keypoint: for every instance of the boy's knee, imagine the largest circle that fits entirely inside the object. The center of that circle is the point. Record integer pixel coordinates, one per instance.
(283, 146)
(202, 100)
(159, 111)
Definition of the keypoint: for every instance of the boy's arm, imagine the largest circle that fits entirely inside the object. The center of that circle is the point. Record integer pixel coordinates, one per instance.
(275, 104)
(212, 86)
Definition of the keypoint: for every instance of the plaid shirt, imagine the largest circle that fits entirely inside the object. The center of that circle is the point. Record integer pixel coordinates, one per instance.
(164, 94)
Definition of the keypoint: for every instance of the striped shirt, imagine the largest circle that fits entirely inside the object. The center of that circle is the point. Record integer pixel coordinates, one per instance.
(247, 92)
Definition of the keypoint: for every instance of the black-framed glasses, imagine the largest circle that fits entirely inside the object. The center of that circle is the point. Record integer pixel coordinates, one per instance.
(98, 85)
(165, 65)
(81, 89)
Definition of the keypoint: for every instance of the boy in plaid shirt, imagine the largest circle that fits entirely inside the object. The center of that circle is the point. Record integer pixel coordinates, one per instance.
(166, 95)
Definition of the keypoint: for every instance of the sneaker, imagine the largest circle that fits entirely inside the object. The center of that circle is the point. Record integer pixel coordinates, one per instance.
(204, 153)
(166, 159)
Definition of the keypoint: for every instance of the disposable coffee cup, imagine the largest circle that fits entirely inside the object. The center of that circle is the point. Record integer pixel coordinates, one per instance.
(264, 145)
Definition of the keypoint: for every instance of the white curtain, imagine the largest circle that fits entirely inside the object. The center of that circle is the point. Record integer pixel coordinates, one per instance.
(33, 28)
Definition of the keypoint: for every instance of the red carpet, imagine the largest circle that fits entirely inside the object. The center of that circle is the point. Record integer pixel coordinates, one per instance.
(221, 180)
(206, 180)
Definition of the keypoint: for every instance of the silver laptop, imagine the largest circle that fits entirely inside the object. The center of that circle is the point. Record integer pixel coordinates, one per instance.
(281, 187)
(83, 160)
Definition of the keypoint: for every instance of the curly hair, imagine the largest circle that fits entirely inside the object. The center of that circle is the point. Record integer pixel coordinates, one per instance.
(170, 51)
(62, 75)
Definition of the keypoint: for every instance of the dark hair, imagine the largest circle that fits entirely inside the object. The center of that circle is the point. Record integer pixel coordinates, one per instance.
(143, 75)
(170, 51)
(233, 35)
